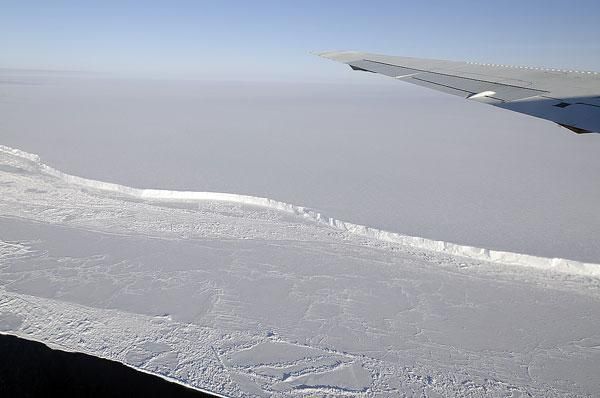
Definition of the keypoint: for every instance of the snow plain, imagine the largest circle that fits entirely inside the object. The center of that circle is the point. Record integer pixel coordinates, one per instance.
(259, 296)
(246, 299)
(389, 155)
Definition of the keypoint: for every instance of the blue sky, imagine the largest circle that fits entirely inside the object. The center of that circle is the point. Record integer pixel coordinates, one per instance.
(272, 39)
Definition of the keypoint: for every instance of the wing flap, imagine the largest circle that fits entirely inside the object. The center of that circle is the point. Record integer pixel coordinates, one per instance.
(450, 84)
(579, 117)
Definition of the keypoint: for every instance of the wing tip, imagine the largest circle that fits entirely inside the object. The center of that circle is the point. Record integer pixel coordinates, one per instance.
(340, 55)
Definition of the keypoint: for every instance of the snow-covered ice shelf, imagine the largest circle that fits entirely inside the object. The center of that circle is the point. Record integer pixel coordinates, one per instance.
(503, 257)
(249, 296)
(394, 157)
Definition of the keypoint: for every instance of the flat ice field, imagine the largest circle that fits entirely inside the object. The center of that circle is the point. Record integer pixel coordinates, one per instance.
(387, 155)
(246, 296)
(248, 293)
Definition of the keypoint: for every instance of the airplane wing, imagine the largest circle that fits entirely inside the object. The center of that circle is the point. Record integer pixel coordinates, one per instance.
(568, 98)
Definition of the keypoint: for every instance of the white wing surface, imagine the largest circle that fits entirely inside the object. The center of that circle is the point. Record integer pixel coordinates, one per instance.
(569, 98)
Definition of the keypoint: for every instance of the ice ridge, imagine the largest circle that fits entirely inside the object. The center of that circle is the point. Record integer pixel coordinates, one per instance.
(501, 257)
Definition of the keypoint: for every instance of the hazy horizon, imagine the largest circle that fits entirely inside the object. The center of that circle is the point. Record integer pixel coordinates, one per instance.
(273, 40)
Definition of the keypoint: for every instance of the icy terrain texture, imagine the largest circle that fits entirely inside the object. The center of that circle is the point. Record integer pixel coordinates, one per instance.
(388, 155)
(559, 264)
(246, 296)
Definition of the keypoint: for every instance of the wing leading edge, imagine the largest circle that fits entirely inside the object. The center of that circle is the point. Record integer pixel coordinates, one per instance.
(568, 98)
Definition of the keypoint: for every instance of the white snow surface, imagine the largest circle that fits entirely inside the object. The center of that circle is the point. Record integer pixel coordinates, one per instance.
(391, 156)
(558, 264)
(247, 296)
